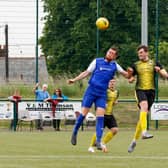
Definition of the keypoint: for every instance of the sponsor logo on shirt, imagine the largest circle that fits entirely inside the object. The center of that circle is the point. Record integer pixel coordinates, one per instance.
(104, 69)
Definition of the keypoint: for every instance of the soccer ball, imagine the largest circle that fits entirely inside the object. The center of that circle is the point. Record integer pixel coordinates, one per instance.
(102, 23)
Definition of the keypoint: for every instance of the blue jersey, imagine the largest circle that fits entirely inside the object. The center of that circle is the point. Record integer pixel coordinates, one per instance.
(54, 96)
(41, 95)
(103, 73)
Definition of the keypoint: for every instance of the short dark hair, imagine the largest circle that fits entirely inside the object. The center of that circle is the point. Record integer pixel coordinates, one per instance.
(115, 49)
(143, 47)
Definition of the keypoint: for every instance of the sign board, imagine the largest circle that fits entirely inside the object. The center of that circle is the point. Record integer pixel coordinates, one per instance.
(6, 110)
(159, 111)
(37, 110)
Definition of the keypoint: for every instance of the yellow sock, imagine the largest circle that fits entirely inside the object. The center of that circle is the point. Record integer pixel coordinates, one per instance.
(93, 140)
(137, 131)
(107, 137)
(143, 120)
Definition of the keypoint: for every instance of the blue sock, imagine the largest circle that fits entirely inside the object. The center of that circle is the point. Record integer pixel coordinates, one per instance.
(78, 123)
(99, 127)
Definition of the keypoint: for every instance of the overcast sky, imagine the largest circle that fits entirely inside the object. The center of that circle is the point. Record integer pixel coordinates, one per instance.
(20, 15)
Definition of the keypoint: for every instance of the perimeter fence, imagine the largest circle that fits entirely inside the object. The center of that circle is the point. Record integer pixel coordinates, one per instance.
(25, 112)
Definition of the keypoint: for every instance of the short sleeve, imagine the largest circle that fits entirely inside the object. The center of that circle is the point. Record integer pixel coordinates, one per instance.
(92, 66)
(119, 68)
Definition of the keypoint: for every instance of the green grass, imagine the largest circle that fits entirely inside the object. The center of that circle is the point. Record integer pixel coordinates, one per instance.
(53, 149)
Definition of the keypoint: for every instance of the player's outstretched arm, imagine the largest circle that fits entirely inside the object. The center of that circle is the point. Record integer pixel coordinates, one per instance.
(128, 73)
(82, 75)
(131, 79)
(162, 72)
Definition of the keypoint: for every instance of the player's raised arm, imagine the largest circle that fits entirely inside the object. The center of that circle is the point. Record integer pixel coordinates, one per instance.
(82, 75)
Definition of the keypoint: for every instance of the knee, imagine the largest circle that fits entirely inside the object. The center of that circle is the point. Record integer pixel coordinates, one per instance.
(114, 130)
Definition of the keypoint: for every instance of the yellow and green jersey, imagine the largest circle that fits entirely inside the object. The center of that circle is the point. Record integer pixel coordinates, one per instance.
(145, 74)
(112, 96)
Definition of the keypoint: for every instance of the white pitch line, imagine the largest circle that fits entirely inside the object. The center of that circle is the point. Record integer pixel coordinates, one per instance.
(52, 157)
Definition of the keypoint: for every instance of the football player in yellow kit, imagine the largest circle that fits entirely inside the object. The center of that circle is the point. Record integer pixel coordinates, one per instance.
(144, 69)
(109, 119)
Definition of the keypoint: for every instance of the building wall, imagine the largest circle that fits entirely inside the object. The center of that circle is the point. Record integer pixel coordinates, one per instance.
(20, 16)
(23, 70)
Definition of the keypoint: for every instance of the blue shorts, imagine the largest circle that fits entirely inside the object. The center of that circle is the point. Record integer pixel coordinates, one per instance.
(91, 97)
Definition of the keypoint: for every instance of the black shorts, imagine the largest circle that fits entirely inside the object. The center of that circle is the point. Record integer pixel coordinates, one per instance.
(148, 95)
(109, 121)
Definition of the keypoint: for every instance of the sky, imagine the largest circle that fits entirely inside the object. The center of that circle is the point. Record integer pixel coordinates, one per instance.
(20, 16)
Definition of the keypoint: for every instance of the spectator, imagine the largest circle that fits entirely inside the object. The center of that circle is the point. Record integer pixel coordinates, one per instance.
(15, 98)
(55, 99)
(41, 95)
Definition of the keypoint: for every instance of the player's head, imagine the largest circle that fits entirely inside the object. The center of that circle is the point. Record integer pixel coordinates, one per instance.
(143, 52)
(111, 54)
(112, 83)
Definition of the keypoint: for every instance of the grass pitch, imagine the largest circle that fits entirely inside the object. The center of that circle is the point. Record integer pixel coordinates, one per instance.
(53, 149)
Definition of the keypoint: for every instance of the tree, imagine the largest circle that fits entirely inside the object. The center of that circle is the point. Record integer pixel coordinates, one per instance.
(69, 35)
(163, 26)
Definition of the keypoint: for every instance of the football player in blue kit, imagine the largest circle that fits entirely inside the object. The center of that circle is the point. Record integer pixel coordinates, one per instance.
(102, 70)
